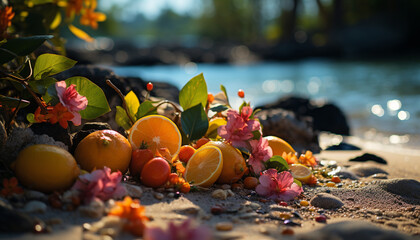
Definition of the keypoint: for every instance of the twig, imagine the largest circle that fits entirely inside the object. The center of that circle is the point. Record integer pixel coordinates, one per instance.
(122, 98)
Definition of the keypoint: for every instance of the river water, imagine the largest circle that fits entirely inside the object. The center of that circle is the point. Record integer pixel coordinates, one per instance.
(380, 98)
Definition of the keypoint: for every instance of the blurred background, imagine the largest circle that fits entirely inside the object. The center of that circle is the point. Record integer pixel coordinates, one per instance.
(362, 55)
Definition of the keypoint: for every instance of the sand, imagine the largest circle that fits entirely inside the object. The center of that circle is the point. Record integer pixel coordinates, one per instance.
(374, 208)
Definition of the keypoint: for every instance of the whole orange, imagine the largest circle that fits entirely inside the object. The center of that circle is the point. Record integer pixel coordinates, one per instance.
(104, 148)
(155, 173)
(46, 168)
(234, 165)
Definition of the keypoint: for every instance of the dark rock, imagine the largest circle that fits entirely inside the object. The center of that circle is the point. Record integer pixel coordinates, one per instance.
(326, 201)
(346, 174)
(12, 221)
(343, 146)
(284, 124)
(87, 129)
(363, 170)
(403, 187)
(55, 131)
(349, 230)
(326, 116)
(368, 157)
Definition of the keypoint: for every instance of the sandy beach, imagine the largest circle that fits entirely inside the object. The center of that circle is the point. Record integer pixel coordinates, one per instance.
(381, 206)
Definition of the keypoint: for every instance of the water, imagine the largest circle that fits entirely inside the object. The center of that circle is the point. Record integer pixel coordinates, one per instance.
(380, 98)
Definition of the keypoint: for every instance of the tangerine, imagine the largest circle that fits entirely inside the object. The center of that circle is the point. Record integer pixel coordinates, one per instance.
(46, 168)
(155, 173)
(104, 148)
(234, 166)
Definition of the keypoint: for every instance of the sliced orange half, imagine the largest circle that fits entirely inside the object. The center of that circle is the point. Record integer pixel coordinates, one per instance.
(204, 167)
(158, 132)
(279, 146)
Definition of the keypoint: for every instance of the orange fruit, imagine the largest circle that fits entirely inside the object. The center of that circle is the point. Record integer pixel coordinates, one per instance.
(155, 173)
(301, 172)
(279, 146)
(104, 148)
(204, 167)
(185, 153)
(234, 166)
(157, 131)
(46, 168)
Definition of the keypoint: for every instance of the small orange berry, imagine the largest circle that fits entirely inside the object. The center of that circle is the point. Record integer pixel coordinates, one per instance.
(173, 178)
(313, 180)
(241, 93)
(200, 142)
(149, 86)
(185, 153)
(304, 203)
(335, 179)
(210, 98)
(185, 188)
(250, 182)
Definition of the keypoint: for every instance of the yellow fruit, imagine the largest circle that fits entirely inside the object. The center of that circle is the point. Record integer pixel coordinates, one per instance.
(204, 167)
(234, 165)
(46, 168)
(214, 124)
(158, 132)
(104, 148)
(279, 146)
(301, 172)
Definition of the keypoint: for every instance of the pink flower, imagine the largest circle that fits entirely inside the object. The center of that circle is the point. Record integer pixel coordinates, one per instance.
(260, 153)
(278, 186)
(100, 184)
(72, 100)
(184, 231)
(239, 128)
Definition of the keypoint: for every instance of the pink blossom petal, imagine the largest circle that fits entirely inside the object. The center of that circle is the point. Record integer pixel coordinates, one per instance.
(262, 190)
(285, 179)
(77, 119)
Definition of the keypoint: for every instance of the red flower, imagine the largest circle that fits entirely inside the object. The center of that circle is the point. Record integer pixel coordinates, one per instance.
(10, 187)
(72, 100)
(6, 16)
(61, 115)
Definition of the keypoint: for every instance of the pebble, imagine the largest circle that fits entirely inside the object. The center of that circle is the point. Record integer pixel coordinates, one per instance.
(35, 206)
(380, 176)
(224, 226)
(226, 186)
(4, 203)
(321, 219)
(219, 194)
(330, 184)
(133, 190)
(281, 215)
(249, 215)
(230, 193)
(304, 203)
(35, 195)
(254, 206)
(159, 196)
(171, 195)
(288, 231)
(326, 201)
(217, 209)
(95, 209)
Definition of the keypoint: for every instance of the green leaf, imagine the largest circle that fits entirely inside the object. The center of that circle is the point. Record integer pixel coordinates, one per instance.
(224, 91)
(122, 119)
(254, 112)
(193, 93)
(219, 108)
(297, 182)
(50, 64)
(13, 102)
(277, 163)
(42, 85)
(146, 108)
(194, 122)
(97, 103)
(21, 47)
(133, 103)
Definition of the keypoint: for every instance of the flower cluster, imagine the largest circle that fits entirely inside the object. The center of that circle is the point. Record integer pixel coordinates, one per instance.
(240, 132)
(278, 186)
(184, 231)
(71, 103)
(85, 8)
(6, 16)
(10, 187)
(133, 213)
(307, 159)
(100, 184)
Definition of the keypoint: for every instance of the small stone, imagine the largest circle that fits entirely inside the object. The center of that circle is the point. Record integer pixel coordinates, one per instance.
(95, 209)
(249, 215)
(224, 226)
(330, 184)
(288, 231)
(291, 223)
(254, 206)
(321, 219)
(35, 207)
(133, 190)
(159, 196)
(219, 194)
(281, 215)
(326, 201)
(226, 186)
(304, 203)
(217, 209)
(35, 195)
(171, 195)
(230, 193)
(4, 203)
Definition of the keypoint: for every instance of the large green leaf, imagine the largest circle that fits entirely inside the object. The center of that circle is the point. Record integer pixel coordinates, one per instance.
(122, 119)
(13, 102)
(193, 93)
(146, 108)
(194, 122)
(20, 47)
(97, 103)
(133, 103)
(42, 85)
(50, 64)
(277, 163)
